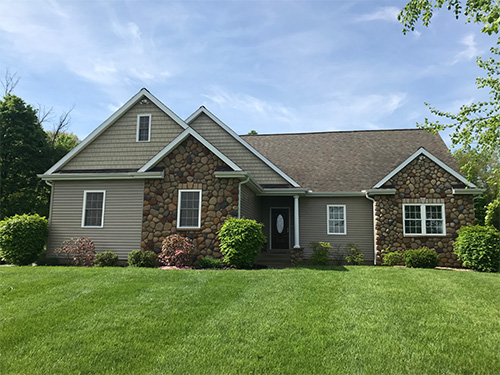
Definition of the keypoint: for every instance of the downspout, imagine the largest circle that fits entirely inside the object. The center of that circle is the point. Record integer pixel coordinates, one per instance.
(374, 229)
(51, 199)
(239, 194)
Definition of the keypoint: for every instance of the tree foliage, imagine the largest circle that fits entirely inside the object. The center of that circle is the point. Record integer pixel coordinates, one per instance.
(482, 169)
(476, 126)
(23, 153)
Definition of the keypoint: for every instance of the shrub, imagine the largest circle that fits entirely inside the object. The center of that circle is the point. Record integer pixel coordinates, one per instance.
(79, 251)
(106, 259)
(241, 241)
(478, 248)
(209, 263)
(392, 259)
(421, 258)
(354, 256)
(321, 251)
(176, 250)
(142, 258)
(22, 238)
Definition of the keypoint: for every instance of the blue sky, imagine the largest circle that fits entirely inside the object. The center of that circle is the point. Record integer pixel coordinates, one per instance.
(273, 66)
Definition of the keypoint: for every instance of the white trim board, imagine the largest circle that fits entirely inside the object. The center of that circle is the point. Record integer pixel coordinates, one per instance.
(181, 137)
(423, 151)
(111, 119)
(214, 118)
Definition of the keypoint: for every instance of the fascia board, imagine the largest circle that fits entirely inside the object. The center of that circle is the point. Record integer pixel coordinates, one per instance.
(380, 191)
(101, 176)
(423, 151)
(110, 120)
(189, 131)
(336, 194)
(242, 141)
(468, 191)
(283, 192)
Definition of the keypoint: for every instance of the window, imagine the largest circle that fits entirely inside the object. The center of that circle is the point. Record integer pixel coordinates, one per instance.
(189, 210)
(424, 219)
(336, 220)
(93, 209)
(143, 128)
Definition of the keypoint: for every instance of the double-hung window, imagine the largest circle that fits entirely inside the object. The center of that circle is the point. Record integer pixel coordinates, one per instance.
(336, 220)
(93, 208)
(424, 219)
(143, 128)
(189, 209)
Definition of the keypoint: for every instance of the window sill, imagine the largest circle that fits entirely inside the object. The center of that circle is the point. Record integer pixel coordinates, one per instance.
(188, 228)
(425, 235)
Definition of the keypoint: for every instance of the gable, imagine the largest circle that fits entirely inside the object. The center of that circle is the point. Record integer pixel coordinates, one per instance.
(116, 147)
(236, 151)
(418, 158)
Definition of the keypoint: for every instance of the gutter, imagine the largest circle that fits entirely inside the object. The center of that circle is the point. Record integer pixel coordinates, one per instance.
(366, 192)
(100, 176)
(239, 194)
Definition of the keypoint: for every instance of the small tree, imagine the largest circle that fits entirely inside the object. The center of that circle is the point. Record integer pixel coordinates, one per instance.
(241, 241)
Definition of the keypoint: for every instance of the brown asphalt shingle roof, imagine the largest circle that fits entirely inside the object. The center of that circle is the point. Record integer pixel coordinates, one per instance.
(345, 161)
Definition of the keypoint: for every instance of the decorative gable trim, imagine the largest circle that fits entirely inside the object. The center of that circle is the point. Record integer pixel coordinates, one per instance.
(214, 118)
(181, 137)
(115, 116)
(423, 151)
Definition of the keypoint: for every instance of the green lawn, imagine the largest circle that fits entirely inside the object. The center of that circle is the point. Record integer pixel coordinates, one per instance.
(353, 320)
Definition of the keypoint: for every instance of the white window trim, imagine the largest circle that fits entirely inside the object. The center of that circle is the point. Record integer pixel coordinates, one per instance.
(423, 220)
(138, 123)
(179, 208)
(328, 219)
(85, 206)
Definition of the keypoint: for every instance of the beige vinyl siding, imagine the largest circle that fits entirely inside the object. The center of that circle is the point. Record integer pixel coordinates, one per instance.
(359, 222)
(235, 151)
(250, 204)
(117, 148)
(121, 232)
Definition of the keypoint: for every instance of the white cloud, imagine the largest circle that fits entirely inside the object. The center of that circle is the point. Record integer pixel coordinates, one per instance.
(381, 14)
(470, 51)
(251, 105)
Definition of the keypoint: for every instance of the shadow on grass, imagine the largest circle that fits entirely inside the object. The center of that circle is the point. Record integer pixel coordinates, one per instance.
(322, 268)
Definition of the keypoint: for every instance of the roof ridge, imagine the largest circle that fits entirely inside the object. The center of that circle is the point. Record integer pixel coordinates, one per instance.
(329, 132)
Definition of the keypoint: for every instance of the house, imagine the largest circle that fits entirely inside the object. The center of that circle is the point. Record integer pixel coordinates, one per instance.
(145, 173)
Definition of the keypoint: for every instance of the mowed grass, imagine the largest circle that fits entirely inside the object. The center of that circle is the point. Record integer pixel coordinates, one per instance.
(353, 320)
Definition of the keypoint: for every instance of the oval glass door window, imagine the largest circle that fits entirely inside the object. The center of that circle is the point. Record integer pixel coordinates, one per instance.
(280, 223)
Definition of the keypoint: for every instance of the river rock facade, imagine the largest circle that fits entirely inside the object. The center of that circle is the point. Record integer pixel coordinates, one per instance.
(421, 181)
(189, 166)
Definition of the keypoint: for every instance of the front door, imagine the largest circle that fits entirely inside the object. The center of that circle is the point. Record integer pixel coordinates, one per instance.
(280, 223)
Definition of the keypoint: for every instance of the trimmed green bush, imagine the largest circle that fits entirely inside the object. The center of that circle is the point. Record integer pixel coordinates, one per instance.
(106, 259)
(354, 256)
(394, 258)
(142, 258)
(321, 252)
(23, 238)
(209, 263)
(478, 248)
(241, 242)
(421, 258)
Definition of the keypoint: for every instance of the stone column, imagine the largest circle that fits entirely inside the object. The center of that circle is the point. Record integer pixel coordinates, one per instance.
(296, 221)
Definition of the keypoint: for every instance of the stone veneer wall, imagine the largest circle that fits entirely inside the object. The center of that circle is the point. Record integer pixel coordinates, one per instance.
(421, 181)
(190, 166)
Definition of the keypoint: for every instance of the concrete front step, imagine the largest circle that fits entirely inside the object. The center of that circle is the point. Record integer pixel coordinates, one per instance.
(275, 259)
